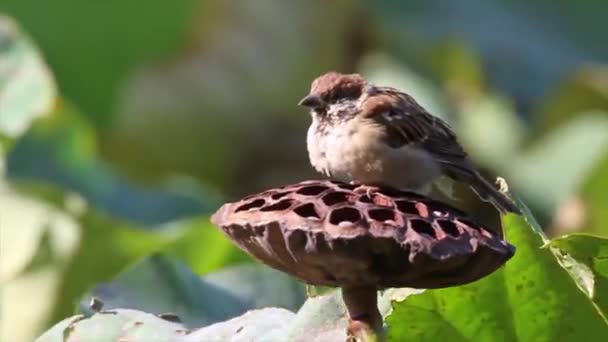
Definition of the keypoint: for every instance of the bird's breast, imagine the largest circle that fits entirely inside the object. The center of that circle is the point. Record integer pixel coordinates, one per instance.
(356, 151)
(348, 150)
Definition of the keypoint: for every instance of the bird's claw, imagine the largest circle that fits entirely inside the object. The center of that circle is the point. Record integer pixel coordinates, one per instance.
(369, 189)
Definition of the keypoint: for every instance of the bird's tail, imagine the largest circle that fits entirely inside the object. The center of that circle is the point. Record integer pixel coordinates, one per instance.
(463, 170)
(488, 192)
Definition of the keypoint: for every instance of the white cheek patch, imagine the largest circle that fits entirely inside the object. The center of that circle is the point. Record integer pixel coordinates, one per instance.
(336, 108)
(342, 109)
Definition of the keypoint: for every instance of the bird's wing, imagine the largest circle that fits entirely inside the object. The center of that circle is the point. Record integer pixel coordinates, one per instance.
(407, 123)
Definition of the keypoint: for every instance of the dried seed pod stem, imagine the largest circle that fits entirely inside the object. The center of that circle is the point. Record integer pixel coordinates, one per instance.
(365, 321)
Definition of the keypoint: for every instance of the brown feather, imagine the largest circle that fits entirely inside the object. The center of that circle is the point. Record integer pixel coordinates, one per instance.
(333, 85)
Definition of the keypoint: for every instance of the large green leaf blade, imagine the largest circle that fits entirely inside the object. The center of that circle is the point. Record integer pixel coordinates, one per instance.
(62, 150)
(114, 245)
(198, 302)
(93, 47)
(531, 299)
(115, 325)
(573, 149)
(61, 251)
(595, 197)
(591, 256)
(204, 247)
(27, 88)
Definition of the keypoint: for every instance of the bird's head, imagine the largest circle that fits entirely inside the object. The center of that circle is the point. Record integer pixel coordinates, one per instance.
(336, 96)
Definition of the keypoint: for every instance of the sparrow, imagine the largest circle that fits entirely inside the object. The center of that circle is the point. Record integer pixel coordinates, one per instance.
(375, 135)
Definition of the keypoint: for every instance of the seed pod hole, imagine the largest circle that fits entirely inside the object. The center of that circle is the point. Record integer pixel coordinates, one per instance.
(307, 210)
(423, 227)
(279, 195)
(381, 214)
(365, 199)
(407, 207)
(251, 205)
(311, 190)
(345, 214)
(279, 206)
(448, 227)
(345, 186)
(333, 198)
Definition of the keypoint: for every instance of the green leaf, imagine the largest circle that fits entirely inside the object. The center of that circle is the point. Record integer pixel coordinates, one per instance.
(205, 248)
(56, 333)
(138, 326)
(585, 90)
(320, 319)
(27, 89)
(185, 105)
(198, 301)
(572, 149)
(535, 62)
(26, 222)
(267, 324)
(595, 196)
(459, 68)
(59, 252)
(590, 256)
(387, 71)
(491, 119)
(325, 315)
(176, 289)
(530, 299)
(62, 150)
(93, 47)
(324, 318)
(115, 325)
(114, 245)
(261, 285)
(36, 240)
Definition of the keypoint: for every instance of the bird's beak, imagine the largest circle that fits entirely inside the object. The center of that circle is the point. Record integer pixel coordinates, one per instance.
(312, 101)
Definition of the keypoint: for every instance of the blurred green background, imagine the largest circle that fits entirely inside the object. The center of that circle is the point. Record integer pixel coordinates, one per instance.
(124, 124)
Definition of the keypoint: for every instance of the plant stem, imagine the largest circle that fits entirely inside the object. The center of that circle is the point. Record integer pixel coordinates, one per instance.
(365, 320)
